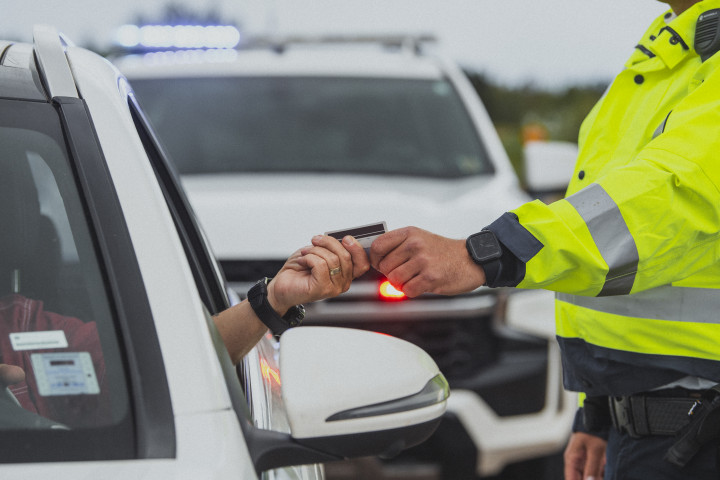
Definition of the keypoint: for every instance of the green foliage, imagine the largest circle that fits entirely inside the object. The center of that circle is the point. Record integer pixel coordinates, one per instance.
(515, 110)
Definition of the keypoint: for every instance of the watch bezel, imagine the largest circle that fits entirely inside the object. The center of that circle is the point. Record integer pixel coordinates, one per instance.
(483, 247)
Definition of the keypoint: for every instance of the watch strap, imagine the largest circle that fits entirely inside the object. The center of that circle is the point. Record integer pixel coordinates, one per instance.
(258, 299)
(485, 250)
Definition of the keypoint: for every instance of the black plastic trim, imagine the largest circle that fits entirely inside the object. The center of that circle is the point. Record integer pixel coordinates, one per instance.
(436, 390)
(154, 420)
(388, 442)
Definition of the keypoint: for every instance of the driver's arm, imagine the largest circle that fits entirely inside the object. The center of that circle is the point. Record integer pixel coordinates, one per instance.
(304, 278)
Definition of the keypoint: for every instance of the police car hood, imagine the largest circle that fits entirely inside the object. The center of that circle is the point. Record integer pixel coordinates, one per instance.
(269, 216)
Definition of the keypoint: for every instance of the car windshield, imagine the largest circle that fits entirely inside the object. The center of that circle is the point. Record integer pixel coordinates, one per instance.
(61, 358)
(297, 124)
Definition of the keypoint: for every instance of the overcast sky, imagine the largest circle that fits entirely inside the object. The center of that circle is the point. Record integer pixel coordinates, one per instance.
(552, 43)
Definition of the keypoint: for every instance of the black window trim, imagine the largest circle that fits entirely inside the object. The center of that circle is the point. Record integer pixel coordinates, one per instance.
(152, 407)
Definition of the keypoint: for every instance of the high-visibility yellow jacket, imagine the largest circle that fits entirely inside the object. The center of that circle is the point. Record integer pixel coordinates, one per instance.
(633, 250)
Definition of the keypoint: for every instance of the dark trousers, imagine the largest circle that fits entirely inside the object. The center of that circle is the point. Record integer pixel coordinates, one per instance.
(642, 459)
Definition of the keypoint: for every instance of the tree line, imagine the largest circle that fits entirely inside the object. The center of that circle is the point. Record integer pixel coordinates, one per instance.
(522, 111)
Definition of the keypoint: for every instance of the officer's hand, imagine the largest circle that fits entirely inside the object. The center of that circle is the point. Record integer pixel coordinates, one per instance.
(323, 270)
(416, 261)
(585, 457)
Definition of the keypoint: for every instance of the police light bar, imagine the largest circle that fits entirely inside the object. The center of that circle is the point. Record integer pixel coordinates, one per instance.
(178, 36)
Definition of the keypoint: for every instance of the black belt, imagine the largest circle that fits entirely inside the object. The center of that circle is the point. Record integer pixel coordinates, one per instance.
(649, 414)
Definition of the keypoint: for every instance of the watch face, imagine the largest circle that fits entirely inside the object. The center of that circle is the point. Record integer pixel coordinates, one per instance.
(483, 247)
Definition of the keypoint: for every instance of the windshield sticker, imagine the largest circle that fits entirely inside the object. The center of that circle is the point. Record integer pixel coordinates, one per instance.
(38, 340)
(67, 373)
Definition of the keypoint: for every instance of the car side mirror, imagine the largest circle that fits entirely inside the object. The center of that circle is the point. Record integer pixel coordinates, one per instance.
(548, 166)
(350, 393)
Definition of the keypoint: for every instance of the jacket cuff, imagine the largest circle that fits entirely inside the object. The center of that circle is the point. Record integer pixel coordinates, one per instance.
(518, 246)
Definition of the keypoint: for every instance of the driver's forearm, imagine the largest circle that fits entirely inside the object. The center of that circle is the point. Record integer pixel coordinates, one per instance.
(240, 329)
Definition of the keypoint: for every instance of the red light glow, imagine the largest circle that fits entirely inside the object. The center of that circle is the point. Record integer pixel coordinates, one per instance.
(389, 292)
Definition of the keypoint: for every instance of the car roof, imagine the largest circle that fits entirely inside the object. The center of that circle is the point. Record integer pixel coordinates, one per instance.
(22, 65)
(324, 60)
(17, 80)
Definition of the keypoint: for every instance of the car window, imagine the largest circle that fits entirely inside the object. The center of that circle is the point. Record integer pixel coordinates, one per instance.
(296, 124)
(58, 336)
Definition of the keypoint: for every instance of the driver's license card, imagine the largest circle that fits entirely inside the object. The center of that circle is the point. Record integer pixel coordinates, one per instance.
(364, 234)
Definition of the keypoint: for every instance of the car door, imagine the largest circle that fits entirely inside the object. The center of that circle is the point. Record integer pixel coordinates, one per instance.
(258, 375)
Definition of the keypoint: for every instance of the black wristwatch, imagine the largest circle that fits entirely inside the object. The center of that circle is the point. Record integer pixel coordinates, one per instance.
(257, 297)
(483, 247)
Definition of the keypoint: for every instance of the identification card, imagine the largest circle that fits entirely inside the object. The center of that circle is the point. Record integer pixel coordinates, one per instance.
(364, 234)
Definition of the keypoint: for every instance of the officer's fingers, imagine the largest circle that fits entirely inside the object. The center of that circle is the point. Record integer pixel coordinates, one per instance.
(360, 260)
(574, 458)
(407, 278)
(595, 462)
(409, 250)
(386, 243)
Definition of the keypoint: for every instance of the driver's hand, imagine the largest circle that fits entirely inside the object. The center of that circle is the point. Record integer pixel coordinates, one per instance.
(10, 375)
(323, 270)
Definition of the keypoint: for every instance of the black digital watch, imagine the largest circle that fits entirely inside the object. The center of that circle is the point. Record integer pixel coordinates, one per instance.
(258, 298)
(483, 247)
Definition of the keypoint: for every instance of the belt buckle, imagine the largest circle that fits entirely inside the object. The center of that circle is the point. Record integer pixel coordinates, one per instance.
(622, 417)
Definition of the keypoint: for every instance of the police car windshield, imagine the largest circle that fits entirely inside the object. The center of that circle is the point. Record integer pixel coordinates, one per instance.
(303, 124)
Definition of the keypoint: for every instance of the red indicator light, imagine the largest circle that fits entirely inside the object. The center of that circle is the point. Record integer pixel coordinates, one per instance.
(388, 292)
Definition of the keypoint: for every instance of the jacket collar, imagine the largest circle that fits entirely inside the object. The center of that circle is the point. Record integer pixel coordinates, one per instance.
(669, 39)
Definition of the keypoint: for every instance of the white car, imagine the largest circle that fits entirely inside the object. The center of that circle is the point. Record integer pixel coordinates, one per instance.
(107, 288)
(287, 140)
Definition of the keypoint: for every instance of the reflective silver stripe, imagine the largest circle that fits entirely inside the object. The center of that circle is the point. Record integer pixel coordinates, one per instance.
(681, 304)
(661, 127)
(611, 235)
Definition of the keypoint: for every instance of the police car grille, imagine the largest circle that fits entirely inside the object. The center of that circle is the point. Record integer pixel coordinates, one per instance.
(250, 270)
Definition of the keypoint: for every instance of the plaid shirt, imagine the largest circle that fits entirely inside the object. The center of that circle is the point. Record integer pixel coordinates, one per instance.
(21, 314)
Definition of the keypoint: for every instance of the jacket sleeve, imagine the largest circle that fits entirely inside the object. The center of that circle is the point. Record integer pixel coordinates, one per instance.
(652, 222)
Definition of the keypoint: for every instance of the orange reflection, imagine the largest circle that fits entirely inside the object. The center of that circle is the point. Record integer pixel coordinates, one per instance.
(268, 372)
